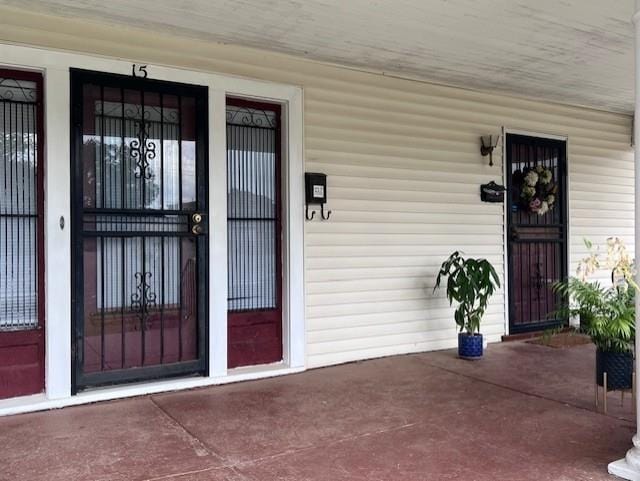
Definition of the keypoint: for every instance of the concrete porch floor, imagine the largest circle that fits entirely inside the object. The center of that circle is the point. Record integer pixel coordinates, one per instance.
(525, 412)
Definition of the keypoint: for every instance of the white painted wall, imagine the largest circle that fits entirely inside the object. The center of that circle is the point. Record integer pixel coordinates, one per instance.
(404, 172)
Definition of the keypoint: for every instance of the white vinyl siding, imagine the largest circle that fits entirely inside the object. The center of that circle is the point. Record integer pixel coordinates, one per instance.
(404, 168)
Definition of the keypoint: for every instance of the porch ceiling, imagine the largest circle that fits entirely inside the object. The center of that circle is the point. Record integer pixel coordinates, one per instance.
(570, 51)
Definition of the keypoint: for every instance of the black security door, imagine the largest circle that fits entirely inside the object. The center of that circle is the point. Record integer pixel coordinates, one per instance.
(139, 228)
(537, 230)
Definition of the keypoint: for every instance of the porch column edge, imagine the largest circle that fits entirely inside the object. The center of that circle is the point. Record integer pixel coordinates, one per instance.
(629, 466)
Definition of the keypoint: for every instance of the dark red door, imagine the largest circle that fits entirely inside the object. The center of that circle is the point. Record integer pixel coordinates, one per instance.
(21, 234)
(254, 233)
(537, 224)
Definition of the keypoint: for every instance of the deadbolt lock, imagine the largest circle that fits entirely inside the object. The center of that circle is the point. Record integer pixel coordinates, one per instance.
(197, 220)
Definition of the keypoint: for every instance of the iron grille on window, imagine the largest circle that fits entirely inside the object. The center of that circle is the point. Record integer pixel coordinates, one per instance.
(251, 208)
(18, 204)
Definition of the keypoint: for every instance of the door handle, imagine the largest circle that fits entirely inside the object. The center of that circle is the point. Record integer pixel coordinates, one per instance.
(513, 234)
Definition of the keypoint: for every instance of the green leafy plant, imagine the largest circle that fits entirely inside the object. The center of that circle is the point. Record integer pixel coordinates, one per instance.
(581, 299)
(607, 314)
(470, 283)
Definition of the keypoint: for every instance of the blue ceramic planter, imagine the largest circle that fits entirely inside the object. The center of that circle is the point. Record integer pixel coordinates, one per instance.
(469, 346)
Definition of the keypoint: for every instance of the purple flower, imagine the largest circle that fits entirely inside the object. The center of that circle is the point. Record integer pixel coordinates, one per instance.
(535, 204)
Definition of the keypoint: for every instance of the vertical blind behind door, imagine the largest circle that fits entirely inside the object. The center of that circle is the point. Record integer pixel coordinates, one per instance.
(18, 204)
(252, 209)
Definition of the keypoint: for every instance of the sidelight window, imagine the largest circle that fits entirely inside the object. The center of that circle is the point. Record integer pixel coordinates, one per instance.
(19, 203)
(252, 208)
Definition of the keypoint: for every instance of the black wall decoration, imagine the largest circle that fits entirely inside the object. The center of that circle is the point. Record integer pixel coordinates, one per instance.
(492, 192)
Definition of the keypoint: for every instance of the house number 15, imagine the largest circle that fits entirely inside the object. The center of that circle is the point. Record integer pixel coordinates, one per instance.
(139, 71)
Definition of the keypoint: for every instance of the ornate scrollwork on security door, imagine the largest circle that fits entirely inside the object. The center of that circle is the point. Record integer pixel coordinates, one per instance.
(143, 151)
(143, 299)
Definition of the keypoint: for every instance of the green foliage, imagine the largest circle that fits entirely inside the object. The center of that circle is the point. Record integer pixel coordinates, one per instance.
(470, 283)
(607, 314)
(548, 334)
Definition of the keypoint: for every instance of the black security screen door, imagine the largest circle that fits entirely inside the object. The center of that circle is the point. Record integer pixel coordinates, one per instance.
(537, 230)
(139, 228)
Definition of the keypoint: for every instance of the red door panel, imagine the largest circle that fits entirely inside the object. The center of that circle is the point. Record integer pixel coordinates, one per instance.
(21, 234)
(254, 233)
(21, 363)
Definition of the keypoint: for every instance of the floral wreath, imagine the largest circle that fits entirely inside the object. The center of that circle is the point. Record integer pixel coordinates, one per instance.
(537, 190)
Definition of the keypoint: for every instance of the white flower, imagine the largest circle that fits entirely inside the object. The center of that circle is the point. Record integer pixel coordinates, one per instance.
(528, 191)
(618, 261)
(545, 177)
(539, 169)
(551, 199)
(544, 208)
(531, 178)
(587, 267)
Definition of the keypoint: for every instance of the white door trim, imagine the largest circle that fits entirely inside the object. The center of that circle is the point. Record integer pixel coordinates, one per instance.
(540, 135)
(55, 66)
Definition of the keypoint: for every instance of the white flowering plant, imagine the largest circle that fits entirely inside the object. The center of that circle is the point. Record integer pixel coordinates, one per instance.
(607, 314)
(616, 260)
(538, 191)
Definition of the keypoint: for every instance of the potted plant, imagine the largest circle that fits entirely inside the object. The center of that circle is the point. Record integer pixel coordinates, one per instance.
(607, 314)
(470, 283)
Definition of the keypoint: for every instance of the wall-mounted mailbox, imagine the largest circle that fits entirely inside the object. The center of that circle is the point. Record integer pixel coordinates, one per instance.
(315, 185)
(492, 192)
